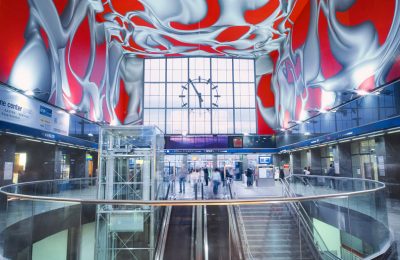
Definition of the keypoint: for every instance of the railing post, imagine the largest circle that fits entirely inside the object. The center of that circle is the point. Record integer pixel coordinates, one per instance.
(195, 190)
(202, 191)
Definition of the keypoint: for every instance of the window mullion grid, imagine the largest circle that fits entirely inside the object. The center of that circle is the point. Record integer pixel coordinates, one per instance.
(233, 97)
(211, 98)
(188, 96)
(165, 93)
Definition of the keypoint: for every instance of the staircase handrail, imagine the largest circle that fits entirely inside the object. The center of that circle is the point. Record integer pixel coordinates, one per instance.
(306, 220)
(234, 225)
(241, 227)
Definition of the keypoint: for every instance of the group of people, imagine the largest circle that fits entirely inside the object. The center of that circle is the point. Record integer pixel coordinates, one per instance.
(331, 173)
(198, 175)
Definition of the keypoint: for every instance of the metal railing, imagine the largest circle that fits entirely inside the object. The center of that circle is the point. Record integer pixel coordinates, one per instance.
(13, 191)
(67, 191)
(241, 229)
(234, 226)
(305, 221)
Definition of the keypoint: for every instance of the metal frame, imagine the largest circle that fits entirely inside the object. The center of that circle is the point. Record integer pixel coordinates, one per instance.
(233, 108)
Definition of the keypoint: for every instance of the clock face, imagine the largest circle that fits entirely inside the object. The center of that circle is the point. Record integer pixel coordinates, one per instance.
(199, 94)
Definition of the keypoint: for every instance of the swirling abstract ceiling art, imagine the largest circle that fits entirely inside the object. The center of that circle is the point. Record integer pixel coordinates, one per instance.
(87, 55)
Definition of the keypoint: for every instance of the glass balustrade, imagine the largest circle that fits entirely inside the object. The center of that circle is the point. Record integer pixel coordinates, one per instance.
(321, 217)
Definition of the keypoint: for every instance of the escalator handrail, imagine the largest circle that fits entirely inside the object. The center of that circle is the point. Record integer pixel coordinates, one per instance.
(162, 238)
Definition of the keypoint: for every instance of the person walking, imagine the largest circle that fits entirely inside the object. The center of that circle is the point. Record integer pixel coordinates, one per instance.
(182, 179)
(331, 173)
(216, 179)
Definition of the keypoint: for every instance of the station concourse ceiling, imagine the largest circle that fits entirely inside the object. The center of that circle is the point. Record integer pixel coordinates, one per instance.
(238, 28)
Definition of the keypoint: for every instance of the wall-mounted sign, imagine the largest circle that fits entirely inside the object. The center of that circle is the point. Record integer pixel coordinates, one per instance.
(264, 159)
(381, 166)
(18, 109)
(8, 170)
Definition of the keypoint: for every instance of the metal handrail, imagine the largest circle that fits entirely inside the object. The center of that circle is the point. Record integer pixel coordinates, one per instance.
(162, 238)
(305, 219)
(246, 241)
(160, 249)
(264, 200)
(235, 225)
(241, 227)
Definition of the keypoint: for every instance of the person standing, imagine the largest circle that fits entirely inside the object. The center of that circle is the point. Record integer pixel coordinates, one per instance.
(206, 175)
(306, 173)
(281, 174)
(249, 175)
(182, 180)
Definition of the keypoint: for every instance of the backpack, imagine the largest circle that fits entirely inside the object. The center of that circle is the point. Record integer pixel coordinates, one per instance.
(249, 172)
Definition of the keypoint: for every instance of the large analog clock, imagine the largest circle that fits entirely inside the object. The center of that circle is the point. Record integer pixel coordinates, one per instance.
(199, 93)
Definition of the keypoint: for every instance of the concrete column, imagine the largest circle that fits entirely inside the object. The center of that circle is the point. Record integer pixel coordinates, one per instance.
(7, 154)
(57, 162)
(295, 162)
(280, 159)
(185, 162)
(78, 164)
(342, 155)
(305, 159)
(215, 161)
(39, 165)
(245, 163)
(315, 161)
(388, 159)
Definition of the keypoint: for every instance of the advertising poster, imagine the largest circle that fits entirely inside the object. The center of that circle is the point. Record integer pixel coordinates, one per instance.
(18, 109)
(8, 170)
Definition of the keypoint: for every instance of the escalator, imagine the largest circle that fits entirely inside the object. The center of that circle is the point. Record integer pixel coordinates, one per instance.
(199, 233)
(222, 232)
(218, 232)
(179, 244)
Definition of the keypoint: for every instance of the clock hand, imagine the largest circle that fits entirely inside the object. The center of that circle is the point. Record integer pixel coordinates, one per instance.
(197, 92)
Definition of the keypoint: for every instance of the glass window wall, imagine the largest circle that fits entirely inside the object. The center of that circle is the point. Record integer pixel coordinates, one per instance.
(200, 95)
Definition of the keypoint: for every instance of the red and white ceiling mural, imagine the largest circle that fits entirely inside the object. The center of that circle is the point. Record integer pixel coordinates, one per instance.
(332, 48)
(197, 27)
(87, 55)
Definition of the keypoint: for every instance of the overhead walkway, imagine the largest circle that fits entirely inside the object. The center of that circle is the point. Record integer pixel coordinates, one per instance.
(297, 218)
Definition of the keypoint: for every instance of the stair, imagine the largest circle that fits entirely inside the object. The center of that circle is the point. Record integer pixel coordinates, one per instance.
(272, 233)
